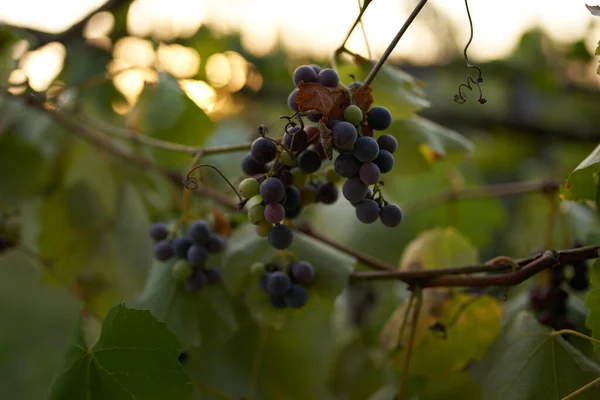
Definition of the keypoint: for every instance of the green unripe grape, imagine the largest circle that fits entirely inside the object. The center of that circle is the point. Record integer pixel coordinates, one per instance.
(256, 214)
(12, 229)
(298, 177)
(286, 159)
(263, 229)
(248, 188)
(331, 175)
(257, 269)
(254, 200)
(353, 114)
(308, 195)
(182, 270)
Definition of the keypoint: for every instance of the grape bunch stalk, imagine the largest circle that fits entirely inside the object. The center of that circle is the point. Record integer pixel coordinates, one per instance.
(286, 286)
(191, 251)
(550, 301)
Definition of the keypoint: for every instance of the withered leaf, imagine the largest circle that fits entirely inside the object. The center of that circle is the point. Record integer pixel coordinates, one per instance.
(326, 139)
(325, 100)
(363, 98)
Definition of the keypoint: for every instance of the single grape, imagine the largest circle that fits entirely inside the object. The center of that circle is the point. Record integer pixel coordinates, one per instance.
(580, 266)
(327, 193)
(215, 243)
(387, 142)
(278, 283)
(263, 150)
(291, 100)
(379, 118)
(304, 73)
(182, 270)
(369, 173)
(309, 161)
(196, 281)
(308, 195)
(298, 177)
(535, 297)
(278, 301)
(257, 268)
(274, 213)
(292, 197)
(316, 68)
(314, 117)
(318, 147)
(181, 246)
(251, 167)
(158, 231)
(344, 135)
(281, 237)
(346, 165)
(302, 272)
(311, 131)
(289, 136)
(256, 214)
(556, 276)
(286, 159)
(199, 232)
(291, 213)
(263, 229)
(385, 161)
(353, 114)
(354, 85)
(546, 318)
(248, 187)
(354, 190)
(390, 215)
(296, 297)
(197, 256)
(367, 211)
(331, 176)
(366, 149)
(328, 77)
(579, 281)
(272, 190)
(163, 250)
(299, 140)
(332, 123)
(285, 176)
(213, 276)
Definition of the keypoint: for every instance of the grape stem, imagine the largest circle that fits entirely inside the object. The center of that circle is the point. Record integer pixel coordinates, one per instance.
(342, 47)
(191, 183)
(393, 43)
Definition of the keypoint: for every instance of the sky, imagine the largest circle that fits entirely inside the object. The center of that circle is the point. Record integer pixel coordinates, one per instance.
(317, 27)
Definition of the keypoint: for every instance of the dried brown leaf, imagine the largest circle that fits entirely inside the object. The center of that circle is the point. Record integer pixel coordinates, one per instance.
(326, 139)
(324, 100)
(363, 98)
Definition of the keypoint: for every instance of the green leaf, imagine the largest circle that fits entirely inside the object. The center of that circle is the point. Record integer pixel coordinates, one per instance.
(528, 363)
(194, 317)
(582, 184)
(165, 112)
(458, 385)
(134, 358)
(392, 88)
(332, 269)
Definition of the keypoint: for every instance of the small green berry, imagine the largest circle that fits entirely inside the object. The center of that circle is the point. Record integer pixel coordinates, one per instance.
(257, 269)
(298, 177)
(253, 201)
(263, 229)
(249, 187)
(353, 114)
(286, 159)
(256, 214)
(331, 175)
(182, 270)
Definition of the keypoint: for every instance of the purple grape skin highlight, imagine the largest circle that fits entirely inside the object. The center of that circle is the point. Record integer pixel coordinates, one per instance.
(328, 77)
(367, 211)
(281, 237)
(369, 173)
(354, 190)
(390, 215)
(304, 73)
(272, 190)
(158, 231)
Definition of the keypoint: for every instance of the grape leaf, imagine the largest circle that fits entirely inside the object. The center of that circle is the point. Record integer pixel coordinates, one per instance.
(204, 316)
(332, 269)
(331, 102)
(582, 183)
(542, 366)
(134, 358)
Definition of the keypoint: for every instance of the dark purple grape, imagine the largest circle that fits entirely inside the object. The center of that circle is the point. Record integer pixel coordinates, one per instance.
(385, 161)
(292, 197)
(291, 213)
(263, 150)
(215, 243)
(369, 173)
(579, 281)
(367, 211)
(181, 246)
(272, 190)
(314, 117)
(163, 250)
(158, 231)
(354, 85)
(316, 68)
(580, 266)
(196, 281)
(299, 140)
(344, 135)
(390, 215)
(535, 297)
(354, 190)
(332, 123)
(278, 283)
(274, 213)
(556, 276)
(328, 77)
(281, 237)
(213, 276)
(296, 297)
(197, 256)
(379, 118)
(302, 272)
(199, 232)
(309, 161)
(304, 73)
(346, 165)
(318, 147)
(366, 149)
(251, 167)
(546, 318)
(291, 100)
(387, 142)
(262, 281)
(327, 193)
(278, 301)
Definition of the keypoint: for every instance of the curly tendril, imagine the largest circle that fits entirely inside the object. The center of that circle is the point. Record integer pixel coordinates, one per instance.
(461, 98)
(191, 183)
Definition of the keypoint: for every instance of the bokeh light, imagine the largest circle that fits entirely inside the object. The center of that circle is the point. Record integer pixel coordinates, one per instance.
(43, 65)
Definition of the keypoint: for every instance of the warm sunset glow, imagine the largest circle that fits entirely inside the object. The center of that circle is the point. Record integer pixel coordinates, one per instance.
(201, 93)
(178, 60)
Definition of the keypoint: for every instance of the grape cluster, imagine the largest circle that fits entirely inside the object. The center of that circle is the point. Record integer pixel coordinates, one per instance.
(550, 301)
(10, 231)
(285, 285)
(192, 251)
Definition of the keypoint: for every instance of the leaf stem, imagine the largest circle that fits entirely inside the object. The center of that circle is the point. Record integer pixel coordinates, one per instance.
(582, 389)
(411, 340)
(393, 43)
(575, 333)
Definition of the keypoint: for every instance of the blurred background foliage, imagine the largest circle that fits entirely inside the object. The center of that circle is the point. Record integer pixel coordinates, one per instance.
(84, 213)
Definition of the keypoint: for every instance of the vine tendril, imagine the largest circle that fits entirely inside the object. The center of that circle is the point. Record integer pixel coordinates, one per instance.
(191, 183)
(460, 98)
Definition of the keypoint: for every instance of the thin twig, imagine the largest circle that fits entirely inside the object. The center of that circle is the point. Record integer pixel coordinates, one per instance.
(342, 47)
(393, 43)
(363, 30)
(411, 340)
